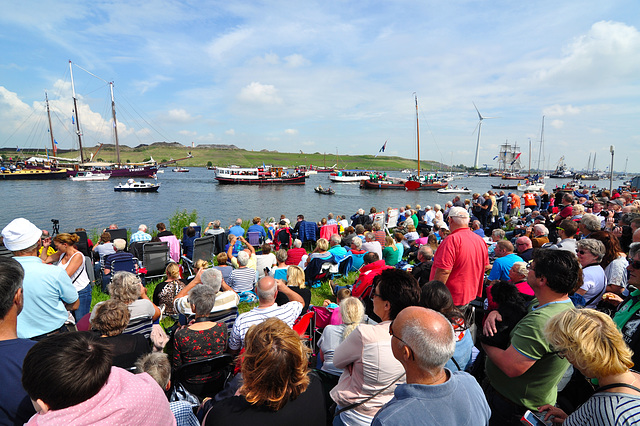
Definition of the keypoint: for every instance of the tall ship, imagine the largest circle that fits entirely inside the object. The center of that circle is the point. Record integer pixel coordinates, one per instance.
(509, 161)
(265, 175)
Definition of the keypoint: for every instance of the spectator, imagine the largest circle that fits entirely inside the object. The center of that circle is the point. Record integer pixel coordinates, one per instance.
(265, 261)
(295, 282)
(141, 235)
(461, 260)
(371, 245)
(225, 299)
(505, 258)
(320, 252)
(127, 288)
(524, 248)
(614, 262)
(424, 342)
(373, 266)
(391, 254)
(110, 320)
(47, 290)
(257, 227)
(525, 376)
(243, 279)
(71, 381)
(540, 235)
(281, 259)
(277, 387)
(566, 231)
(213, 228)
(162, 230)
(590, 254)
(167, 291)
(422, 270)
(120, 255)
(15, 405)
(237, 230)
(369, 367)
(72, 261)
(266, 290)
(603, 355)
(336, 249)
(296, 253)
(104, 247)
(157, 365)
(357, 254)
(201, 340)
(188, 242)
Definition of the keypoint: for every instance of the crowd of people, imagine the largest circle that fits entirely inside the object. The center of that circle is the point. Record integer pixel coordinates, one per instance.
(471, 313)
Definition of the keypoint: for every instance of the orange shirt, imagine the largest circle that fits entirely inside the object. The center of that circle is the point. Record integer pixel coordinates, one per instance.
(515, 201)
(529, 200)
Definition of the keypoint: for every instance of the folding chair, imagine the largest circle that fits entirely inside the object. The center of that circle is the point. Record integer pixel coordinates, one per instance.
(392, 220)
(155, 257)
(219, 241)
(216, 369)
(319, 270)
(379, 219)
(202, 250)
(127, 265)
(197, 228)
(304, 327)
(344, 266)
(119, 233)
(88, 266)
(135, 248)
(254, 238)
(174, 247)
(227, 316)
(83, 244)
(139, 325)
(327, 231)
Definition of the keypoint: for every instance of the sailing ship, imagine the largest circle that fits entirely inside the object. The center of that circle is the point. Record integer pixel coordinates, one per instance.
(412, 183)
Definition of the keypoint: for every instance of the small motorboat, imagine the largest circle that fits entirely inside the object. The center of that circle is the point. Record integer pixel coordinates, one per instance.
(133, 186)
(326, 191)
(89, 176)
(455, 190)
(503, 186)
(180, 170)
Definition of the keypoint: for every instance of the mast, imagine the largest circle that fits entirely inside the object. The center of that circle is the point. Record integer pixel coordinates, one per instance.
(53, 141)
(75, 110)
(541, 142)
(529, 156)
(417, 133)
(115, 123)
(594, 163)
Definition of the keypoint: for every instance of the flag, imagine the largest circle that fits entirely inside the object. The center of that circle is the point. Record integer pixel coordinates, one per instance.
(516, 159)
(55, 146)
(17, 149)
(383, 148)
(73, 120)
(495, 157)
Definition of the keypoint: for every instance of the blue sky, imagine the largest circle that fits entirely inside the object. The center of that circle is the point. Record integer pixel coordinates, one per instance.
(321, 76)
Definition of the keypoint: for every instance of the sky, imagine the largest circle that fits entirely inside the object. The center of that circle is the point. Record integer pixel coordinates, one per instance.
(331, 76)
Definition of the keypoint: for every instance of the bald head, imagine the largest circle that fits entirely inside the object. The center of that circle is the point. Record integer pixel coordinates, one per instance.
(266, 290)
(523, 243)
(429, 337)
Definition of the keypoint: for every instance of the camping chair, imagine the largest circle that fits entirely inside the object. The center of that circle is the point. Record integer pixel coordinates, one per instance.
(392, 221)
(227, 316)
(357, 261)
(174, 247)
(219, 241)
(218, 367)
(5, 252)
(197, 228)
(83, 244)
(127, 265)
(119, 233)
(304, 327)
(155, 257)
(280, 274)
(88, 266)
(135, 248)
(254, 238)
(139, 325)
(344, 266)
(379, 219)
(202, 250)
(326, 231)
(319, 270)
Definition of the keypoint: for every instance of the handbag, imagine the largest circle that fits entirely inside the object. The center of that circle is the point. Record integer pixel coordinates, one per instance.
(180, 393)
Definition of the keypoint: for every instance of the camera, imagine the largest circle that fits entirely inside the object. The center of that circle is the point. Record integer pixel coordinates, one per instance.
(55, 221)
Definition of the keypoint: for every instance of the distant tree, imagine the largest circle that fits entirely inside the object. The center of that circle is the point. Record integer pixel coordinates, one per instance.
(146, 159)
(100, 159)
(164, 160)
(128, 161)
(209, 164)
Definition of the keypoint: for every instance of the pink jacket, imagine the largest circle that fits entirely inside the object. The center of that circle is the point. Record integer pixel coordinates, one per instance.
(126, 399)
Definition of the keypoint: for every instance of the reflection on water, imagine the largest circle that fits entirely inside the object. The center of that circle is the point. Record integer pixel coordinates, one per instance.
(94, 205)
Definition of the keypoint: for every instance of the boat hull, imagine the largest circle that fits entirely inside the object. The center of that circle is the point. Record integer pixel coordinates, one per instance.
(141, 189)
(408, 185)
(296, 180)
(143, 171)
(34, 174)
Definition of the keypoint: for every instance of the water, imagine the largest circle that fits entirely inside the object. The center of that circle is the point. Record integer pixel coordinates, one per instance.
(94, 205)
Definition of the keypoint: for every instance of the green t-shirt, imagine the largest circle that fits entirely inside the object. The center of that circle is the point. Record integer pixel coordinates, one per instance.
(391, 256)
(538, 385)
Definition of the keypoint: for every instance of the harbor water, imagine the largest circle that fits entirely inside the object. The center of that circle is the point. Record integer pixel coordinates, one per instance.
(95, 205)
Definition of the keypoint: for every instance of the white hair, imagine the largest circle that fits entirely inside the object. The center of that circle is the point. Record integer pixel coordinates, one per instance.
(243, 258)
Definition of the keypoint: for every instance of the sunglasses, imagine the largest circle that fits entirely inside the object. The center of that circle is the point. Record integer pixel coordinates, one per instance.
(584, 252)
(635, 264)
(403, 342)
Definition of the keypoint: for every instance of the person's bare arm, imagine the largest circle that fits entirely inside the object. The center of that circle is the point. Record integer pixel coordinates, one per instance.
(249, 246)
(581, 291)
(232, 243)
(225, 287)
(72, 306)
(292, 295)
(74, 264)
(510, 361)
(143, 295)
(186, 289)
(442, 275)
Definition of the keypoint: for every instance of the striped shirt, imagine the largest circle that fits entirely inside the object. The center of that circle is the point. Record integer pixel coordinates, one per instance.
(242, 279)
(288, 313)
(607, 408)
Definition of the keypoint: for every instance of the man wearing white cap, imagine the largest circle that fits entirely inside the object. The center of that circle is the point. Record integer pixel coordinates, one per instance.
(461, 259)
(48, 291)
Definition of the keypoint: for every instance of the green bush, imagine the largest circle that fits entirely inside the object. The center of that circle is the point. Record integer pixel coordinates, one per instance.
(181, 219)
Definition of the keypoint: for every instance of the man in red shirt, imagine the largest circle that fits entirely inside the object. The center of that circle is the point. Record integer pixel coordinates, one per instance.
(515, 203)
(461, 260)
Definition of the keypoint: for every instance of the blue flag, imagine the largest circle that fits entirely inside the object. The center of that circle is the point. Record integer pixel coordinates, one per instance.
(73, 120)
(383, 148)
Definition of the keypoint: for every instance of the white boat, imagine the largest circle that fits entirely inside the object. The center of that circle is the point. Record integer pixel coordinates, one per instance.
(351, 175)
(537, 186)
(454, 191)
(265, 175)
(180, 170)
(133, 186)
(89, 176)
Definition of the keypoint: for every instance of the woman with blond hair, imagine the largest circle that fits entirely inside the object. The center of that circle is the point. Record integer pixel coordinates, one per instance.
(166, 291)
(390, 252)
(277, 387)
(69, 258)
(321, 251)
(295, 281)
(127, 288)
(590, 341)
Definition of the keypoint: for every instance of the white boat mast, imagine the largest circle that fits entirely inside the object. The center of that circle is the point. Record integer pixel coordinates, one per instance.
(75, 110)
(53, 141)
(115, 123)
(418, 133)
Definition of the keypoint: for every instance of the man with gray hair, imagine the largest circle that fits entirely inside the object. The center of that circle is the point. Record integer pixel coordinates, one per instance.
(336, 249)
(423, 341)
(215, 228)
(141, 235)
(371, 245)
(540, 235)
(225, 299)
(267, 289)
(589, 223)
(120, 255)
(461, 260)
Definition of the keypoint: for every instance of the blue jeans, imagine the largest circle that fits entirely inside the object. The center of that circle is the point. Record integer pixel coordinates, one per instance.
(85, 303)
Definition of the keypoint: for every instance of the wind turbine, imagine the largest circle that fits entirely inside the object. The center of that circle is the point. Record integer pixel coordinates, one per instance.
(478, 127)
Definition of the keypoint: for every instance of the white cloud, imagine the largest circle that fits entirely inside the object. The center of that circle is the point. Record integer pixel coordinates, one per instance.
(221, 47)
(188, 133)
(291, 131)
(308, 143)
(259, 93)
(557, 124)
(230, 132)
(179, 116)
(296, 60)
(560, 110)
